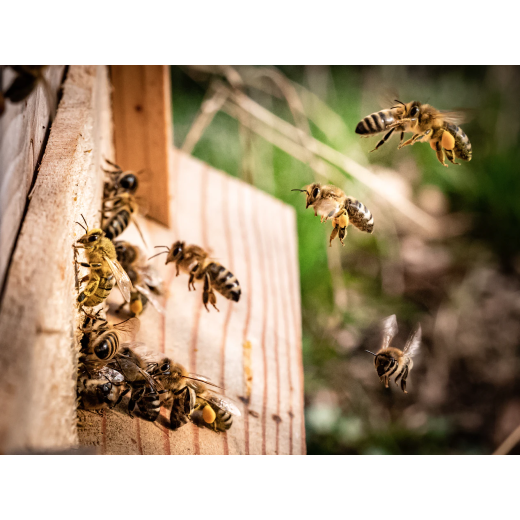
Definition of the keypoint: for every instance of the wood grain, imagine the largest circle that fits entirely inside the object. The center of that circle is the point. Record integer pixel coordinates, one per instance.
(143, 131)
(23, 129)
(253, 235)
(38, 314)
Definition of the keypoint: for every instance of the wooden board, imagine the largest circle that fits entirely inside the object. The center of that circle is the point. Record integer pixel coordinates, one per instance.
(38, 314)
(253, 235)
(143, 131)
(23, 130)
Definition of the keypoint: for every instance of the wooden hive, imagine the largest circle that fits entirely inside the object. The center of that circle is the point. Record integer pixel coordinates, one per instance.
(249, 232)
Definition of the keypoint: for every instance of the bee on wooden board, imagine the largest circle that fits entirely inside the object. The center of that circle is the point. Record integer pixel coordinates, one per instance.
(427, 124)
(330, 202)
(104, 268)
(25, 82)
(100, 389)
(145, 279)
(101, 340)
(195, 261)
(391, 361)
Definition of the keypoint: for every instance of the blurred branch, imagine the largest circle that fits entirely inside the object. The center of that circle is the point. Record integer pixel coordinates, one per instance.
(509, 443)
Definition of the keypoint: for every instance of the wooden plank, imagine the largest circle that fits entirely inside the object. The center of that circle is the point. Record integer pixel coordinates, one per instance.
(254, 235)
(23, 128)
(38, 314)
(143, 131)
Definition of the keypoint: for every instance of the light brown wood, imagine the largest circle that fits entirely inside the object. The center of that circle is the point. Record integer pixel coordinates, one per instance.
(143, 131)
(253, 235)
(23, 129)
(38, 314)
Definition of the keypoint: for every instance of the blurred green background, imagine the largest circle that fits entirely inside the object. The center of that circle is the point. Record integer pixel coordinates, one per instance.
(462, 283)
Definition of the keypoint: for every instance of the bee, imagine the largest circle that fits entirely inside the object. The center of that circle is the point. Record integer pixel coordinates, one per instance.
(101, 389)
(104, 268)
(135, 369)
(25, 82)
(145, 279)
(211, 409)
(119, 181)
(390, 361)
(102, 341)
(330, 202)
(426, 122)
(194, 260)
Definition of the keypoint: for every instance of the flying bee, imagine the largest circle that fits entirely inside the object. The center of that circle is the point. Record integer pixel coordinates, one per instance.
(119, 181)
(101, 388)
(211, 409)
(390, 361)
(145, 279)
(330, 202)
(426, 122)
(195, 261)
(101, 341)
(104, 268)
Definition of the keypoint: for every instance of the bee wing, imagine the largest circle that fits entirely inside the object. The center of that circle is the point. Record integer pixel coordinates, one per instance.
(123, 281)
(456, 117)
(222, 402)
(128, 329)
(151, 297)
(389, 330)
(151, 278)
(414, 342)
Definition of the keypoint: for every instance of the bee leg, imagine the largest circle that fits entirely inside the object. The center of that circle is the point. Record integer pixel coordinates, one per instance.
(384, 140)
(342, 234)
(134, 398)
(90, 288)
(440, 153)
(449, 155)
(403, 380)
(121, 396)
(411, 141)
(208, 296)
(335, 229)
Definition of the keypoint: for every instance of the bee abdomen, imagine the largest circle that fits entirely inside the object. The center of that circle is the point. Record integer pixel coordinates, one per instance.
(107, 347)
(224, 281)
(224, 420)
(462, 149)
(150, 406)
(360, 216)
(117, 224)
(100, 294)
(375, 123)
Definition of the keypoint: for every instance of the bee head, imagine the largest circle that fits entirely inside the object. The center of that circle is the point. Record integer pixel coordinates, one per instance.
(176, 253)
(384, 363)
(313, 192)
(90, 238)
(126, 253)
(414, 109)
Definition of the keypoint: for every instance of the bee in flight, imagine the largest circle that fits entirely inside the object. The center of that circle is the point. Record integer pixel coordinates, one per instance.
(391, 361)
(427, 124)
(100, 389)
(104, 268)
(195, 261)
(146, 281)
(330, 202)
(101, 340)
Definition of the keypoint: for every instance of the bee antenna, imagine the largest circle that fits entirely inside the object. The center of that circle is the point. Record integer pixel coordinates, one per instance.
(403, 105)
(84, 221)
(79, 224)
(200, 381)
(370, 352)
(302, 191)
(162, 246)
(162, 252)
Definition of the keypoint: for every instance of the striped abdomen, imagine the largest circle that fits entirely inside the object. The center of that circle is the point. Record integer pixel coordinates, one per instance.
(224, 281)
(359, 215)
(462, 149)
(376, 122)
(223, 421)
(103, 290)
(117, 224)
(150, 404)
(106, 345)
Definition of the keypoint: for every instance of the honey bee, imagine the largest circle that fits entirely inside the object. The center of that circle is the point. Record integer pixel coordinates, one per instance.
(194, 260)
(25, 82)
(101, 389)
(330, 202)
(145, 279)
(390, 361)
(119, 181)
(211, 409)
(104, 268)
(427, 123)
(102, 341)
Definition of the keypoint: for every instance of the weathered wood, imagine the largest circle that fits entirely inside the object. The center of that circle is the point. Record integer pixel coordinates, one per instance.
(253, 235)
(143, 131)
(38, 314)
(23, 128)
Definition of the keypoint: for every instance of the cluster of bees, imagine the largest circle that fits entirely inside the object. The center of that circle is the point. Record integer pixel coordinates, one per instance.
(447, 139)
(112, 363)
